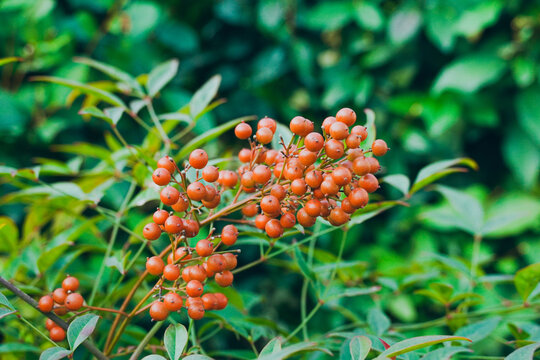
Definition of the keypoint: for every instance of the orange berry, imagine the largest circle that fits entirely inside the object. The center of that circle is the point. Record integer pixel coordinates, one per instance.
(243, 131)
(59, 296)
(314, 142)
(299, 187)
(358, 198)
(172, 301)
(267, 122)
(158, 311)
(210, 173)
(216, 263)
(287, 220)
(70, 283)
(160, 216)
(346, 116)
(204, 248)
(173, 224)
(307, 157)
(327, 123)
(261, 174)
(260, 221)
(209, 301)
(338, 217)
(304, 219)
(379, 147)
(341, 176)
(224, 278)
(155, 265)
(334, 149)
(360, 131)
(74, 301)
(49, 324)
(171, 272)
(151, 231)
(46, 303)
(57, 334)
(161, 176)
(313, 208)
(229, 235)
(361, 166)
(196, 312)
(250, 210)
(339, 130)
(230, 261)
(221, 301)
(369, 182)
(198, 158)
(168, 163)
(169, 195)
(314, 178)
(264, 135)
(273, 228)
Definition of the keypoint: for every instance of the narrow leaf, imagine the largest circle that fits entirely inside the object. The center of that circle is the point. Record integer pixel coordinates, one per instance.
(80, 329)
(479, 330)
(399, 181)
(437, 170)
(524, 353)
(273, 346)
(160, 76)
(7, 60)
(155, 357)
(416, 343)
(54, 353)
(204, 96)
(304, 268)
(84, 88)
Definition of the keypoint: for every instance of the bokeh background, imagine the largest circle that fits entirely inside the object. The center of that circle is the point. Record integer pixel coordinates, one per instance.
(446, 79)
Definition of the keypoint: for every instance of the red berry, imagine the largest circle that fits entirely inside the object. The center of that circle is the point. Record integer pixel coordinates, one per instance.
(169, 195)
(172, 301)
(314, 142)
(204, 248)
(210, 173)
(243, 131)
(151, 231)
(196, 191)
(273, 228)
(155, 265)
(221, 301)
(196, 312)
(158, 311)
(171, 272)
(173, 224)
(224, 278)
(264, 135)
(379, 147)
(161, 176)
(74, 301)
(59, 296)
(194, 288)
(70, 283)
(369, 182)
(198, 158)
(267, 122)
(168, 163)
(46, 303)
(347, 116)
(229, 235)
(57, 334)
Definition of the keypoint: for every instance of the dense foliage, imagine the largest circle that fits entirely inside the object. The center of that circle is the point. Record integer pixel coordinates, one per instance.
(446, 79)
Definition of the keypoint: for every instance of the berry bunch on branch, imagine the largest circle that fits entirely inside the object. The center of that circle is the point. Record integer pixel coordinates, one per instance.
(314, 175)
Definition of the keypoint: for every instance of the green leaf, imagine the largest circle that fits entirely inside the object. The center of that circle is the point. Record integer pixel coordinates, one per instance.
(416, 343)
(80, 329)
(156, 357)
(527, 279)
(47, 258)
(351, 292)
(14, 347)
(272, 347)
(204, 96)
(6, 312)
(114, 113)
(528, 110)
(524, 353)
(520, 145)
(378, 321)
(4, 301)
(149, 194)
(208, 136)
(467, 208)
(329, 15)
(469, 74)
(480, 330)
(291, 350)
(404, 25)
(175, 340)
(359, 347)
(445, 353)
(55, 353)
(7, 60)
(194, 357)
(399, 181)
(372, 130)
(160, 76)
(113, 72)
(9, 234)
(511, 215)
(361, 216)
(85, 89)
(439, 169)
(185, 118)
(304, 268)
(369, 16)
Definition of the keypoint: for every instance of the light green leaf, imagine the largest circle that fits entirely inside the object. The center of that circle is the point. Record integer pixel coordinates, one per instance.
(114, 114)
(445, 353)
(467, 207)
(85, 89)
(469, 74)
(149, 194)
(359, 347)
(48, 258)
(291, 350)
(80, 329)
(480, 330)
(113, 72)
(378, 321)
(9, 234)
(204, 96)
(351, 292)
(175, 340)
(399, 181)
(329, 15)
(185, 118)
(4, 301)
(272, 347)
(439, 169)
(55, 353)
(156, 357)
(511, 215)
(160, 76)
(524, 353)
(528, 110)
(15, 347)
(6, 312)
(208, 136)
(527, 279)
(369, 16)
(416, 343)
(403, 25)
(372, 130)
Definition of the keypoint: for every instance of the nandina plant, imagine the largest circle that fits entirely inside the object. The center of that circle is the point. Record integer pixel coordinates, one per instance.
(286, 188)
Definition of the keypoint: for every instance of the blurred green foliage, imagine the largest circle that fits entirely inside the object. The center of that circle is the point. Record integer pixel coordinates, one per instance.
(446, 78)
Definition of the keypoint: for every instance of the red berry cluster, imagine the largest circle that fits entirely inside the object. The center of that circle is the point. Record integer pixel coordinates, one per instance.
(325, 175)
(61, 301)
(316, 175)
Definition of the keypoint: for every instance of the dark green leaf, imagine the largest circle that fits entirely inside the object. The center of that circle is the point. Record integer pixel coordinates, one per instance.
(416, 343)
(527, 279)
(378, 321)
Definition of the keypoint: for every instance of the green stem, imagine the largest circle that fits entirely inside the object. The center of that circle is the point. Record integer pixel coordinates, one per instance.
(158, 126)
(145, 340)
(303, 306)
(37, 330)
(304, 322)
(112, 240)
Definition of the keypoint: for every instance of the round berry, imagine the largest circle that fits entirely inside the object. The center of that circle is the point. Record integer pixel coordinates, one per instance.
(173, 224)
(379, 147)
(151, 231)
(161, 176)
(314, 178)
(267, 122)
(300, 126)
(172, 301)
(304, 219)
(57, 334)
(196, 312)
(260, 221)
(338, 217)
(250, 210)
(196, 191)
(204, 248)
(358, 198)
(167, 163)
(182, 204)
(313, 208)
(160, 216)
(261, 174)
(339, 130)
(209, 301)
(273, 228)
(70, 283)
(243, 131)
(327, 123)
(334, 149)
(374, 165)
(59, 296)
(270, 204)
(224, 278)
(228, 178)
(229, 235)
(46, 303)
(216, 263)
(360, 131)
(346, 116)
(171, 272)
(49, 324)
(369, 182)
(74, 301)
(264, 135)
(353, 141)
(278, 191)
(198, 158)
(194, 288)
(314, 142)
(230, 261)
(158, 311)
(155, 265)
(307, 157)
(169, 195)
(361, 166)
(341, 175)
(210, 173)
(287, 220)
(191, 227)
(221, 301)
(299, 187)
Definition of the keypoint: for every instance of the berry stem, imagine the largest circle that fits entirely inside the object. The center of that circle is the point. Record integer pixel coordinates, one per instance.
(97, 308)
(146, 340)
